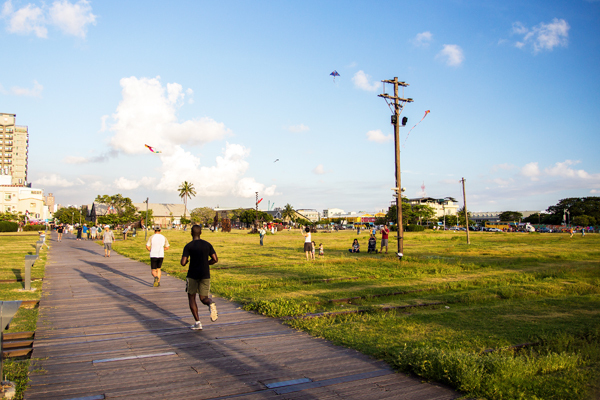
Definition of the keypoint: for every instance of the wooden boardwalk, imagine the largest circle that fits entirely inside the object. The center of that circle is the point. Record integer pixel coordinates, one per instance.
(105, 332)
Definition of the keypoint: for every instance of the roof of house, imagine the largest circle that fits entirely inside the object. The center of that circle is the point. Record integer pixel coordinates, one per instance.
(163, 209)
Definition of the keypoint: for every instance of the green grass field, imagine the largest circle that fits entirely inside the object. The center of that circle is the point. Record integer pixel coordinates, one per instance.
(14, 247)
(503, 290)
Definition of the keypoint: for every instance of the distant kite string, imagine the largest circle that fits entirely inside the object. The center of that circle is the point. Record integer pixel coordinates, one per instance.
(426, 112)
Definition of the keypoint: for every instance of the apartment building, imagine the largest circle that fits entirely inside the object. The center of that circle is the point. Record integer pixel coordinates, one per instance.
(14, 146)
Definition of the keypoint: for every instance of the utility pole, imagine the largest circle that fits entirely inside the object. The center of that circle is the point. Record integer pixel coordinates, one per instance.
(256, 214)
(466, 213)
(146, 226)
(398, 104)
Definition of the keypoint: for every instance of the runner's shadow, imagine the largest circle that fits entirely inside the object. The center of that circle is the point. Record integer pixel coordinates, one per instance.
(114, 271)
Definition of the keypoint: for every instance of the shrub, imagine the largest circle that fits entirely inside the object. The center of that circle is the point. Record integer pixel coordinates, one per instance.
(415, 228)
(7, 226)
(29, 228)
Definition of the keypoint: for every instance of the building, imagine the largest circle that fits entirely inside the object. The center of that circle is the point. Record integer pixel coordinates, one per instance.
(22, 199)
(14, 146)
(445, 206)
(333, 213)
(310, 214)
(481, 217)
(164, 214)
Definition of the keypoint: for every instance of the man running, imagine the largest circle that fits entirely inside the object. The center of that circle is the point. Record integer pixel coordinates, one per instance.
(157, 244)
(198, 252)
(384, 238)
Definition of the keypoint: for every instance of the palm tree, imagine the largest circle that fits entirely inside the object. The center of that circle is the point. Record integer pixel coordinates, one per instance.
(288, 212)
(186, 191)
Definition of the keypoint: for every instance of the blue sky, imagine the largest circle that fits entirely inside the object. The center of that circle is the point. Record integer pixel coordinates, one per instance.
(225, 88)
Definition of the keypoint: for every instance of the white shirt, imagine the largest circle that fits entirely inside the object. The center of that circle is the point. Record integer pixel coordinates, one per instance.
(157, 244)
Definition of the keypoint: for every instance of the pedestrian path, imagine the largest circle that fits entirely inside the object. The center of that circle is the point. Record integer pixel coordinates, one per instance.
(105, 332)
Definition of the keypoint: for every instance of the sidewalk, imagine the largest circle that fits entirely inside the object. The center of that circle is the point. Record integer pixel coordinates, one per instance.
(105, 332)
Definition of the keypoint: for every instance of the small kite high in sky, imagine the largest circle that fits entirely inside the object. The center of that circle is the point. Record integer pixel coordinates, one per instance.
(152, 149)
(334, 74)
(426, 112)
(276, 160)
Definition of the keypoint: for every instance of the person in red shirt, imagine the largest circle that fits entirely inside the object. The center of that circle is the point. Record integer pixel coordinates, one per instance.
(384, 238)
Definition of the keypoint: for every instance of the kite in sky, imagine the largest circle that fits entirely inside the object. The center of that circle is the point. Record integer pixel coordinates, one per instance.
(152, 149)
(426, 112)
(334, 74)
(276, 160)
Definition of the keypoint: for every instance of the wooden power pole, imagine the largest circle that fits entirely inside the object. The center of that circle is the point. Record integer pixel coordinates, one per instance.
(466, 213)
(398, 104)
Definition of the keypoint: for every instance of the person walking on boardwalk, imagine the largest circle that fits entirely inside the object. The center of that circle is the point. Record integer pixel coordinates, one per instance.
(59, 230)
(384, 238)
(197, 253)
(157, 244)
(108, 239)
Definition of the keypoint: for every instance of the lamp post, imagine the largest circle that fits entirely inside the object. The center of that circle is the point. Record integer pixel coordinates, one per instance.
(146, 226)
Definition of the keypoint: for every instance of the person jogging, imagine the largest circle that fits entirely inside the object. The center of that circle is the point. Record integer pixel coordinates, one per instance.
(157, 244)
(197, 253)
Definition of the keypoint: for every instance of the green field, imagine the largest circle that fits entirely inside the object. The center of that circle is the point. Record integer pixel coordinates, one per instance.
(464, 305)
(14, 247)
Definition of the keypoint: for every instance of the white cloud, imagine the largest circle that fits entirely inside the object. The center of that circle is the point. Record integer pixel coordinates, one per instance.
(378, 136)
(148, 115)
(362, 81)
(85, 160)
(562, 169)
(36, 91)
(451, 54)
(131, 184)
(423, 39)
(319, 170)
(531, 170)
(505, 167)
(543, 36)
(593, 191)
(53, 180)
(29, 19)
(72, 19)
(298, 128)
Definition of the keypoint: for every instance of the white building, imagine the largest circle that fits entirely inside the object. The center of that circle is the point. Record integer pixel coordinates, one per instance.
(445, 206)
(311, 214)
(333, 213)
(22, 199)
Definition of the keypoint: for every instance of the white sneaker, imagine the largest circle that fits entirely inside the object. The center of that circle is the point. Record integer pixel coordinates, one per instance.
(213, 312)
(197, 326)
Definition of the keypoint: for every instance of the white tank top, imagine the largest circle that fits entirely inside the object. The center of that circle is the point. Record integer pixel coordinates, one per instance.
(307, 238)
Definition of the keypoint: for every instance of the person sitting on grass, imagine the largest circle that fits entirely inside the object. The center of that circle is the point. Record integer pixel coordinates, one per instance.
(355, 247)
(372, 244)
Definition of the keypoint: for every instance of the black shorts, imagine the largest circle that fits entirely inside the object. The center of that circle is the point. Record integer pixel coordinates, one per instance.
(307, 246)
(156, 262)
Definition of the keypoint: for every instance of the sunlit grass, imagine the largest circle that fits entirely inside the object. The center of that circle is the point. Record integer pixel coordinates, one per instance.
(504, 289)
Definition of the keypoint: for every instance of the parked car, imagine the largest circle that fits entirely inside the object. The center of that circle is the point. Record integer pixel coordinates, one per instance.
(494, 230)
(545, 230)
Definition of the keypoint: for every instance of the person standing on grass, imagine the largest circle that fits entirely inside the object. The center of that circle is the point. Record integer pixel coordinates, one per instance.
(197, 253)
(262, 232)
(108, 238)
(307, 243)
(157, 244)
(384, 238)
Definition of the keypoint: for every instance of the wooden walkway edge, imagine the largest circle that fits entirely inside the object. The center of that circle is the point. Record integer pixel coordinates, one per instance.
(104, 332)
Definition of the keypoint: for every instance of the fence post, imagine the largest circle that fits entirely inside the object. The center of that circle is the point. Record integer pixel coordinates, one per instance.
(29, 260)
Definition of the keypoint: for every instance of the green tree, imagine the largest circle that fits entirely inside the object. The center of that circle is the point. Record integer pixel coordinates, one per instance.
(150, 217)
(288, 213)
(186, 191)
(121, 206)
(511, 216)
(202, 215)
(576, 206)
(407, 214)
(69, 215)
(461, 218)
(451, 220)
(584, 220)
(422, 212)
